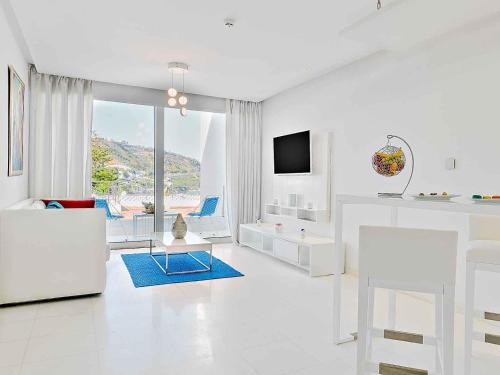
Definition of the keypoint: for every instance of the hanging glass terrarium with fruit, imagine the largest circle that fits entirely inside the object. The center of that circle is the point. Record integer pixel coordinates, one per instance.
(390, 161)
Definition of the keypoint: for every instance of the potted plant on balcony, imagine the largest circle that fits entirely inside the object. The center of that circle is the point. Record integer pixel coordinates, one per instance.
(149, 207)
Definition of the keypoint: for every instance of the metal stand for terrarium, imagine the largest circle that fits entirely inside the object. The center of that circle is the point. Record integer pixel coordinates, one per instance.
(392, 148)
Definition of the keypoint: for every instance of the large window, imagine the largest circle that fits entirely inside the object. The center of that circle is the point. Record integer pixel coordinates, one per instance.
(123, 177)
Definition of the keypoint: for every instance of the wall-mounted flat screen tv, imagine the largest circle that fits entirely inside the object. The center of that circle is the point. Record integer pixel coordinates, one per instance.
(292, 153)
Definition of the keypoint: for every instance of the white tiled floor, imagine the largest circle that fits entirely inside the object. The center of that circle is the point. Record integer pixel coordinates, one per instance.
(275, 320)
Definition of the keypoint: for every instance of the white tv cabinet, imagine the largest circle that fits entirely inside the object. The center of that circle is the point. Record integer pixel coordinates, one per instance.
(312, 253)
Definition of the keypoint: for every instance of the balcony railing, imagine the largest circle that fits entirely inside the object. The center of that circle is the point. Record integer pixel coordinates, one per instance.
(126, 199)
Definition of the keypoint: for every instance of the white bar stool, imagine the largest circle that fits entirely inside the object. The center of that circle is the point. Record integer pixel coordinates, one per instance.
(483, 255)
(417, 260)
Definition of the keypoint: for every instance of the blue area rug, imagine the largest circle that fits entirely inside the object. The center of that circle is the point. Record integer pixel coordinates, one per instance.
(145, 272)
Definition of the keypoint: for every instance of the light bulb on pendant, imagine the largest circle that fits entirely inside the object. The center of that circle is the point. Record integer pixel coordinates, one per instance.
(172, 92)
(183, 100)
(172, 102)
(184, 111)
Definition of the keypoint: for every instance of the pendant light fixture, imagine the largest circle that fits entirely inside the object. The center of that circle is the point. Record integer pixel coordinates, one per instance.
(176, 97)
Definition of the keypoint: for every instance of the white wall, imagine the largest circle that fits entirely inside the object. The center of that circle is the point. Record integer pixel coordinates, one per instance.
(12, 189)
(443, 97)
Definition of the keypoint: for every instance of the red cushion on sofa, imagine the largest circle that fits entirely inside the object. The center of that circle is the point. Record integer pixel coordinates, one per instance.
(73, 203)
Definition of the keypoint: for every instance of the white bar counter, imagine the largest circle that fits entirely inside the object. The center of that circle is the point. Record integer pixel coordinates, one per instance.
(458, 205)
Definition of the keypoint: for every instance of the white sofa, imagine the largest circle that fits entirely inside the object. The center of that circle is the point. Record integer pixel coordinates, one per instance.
(51, 253)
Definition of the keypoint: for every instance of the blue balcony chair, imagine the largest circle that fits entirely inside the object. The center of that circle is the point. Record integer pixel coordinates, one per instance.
(103, 203)
(208, 208)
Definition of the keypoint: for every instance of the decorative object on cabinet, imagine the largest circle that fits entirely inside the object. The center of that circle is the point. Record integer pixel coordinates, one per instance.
(300, 201)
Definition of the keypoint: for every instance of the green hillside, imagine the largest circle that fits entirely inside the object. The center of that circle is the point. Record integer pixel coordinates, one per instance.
(141, 158)
(133, 166)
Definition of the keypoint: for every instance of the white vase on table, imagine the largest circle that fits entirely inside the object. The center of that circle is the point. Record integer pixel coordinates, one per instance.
(179, 228)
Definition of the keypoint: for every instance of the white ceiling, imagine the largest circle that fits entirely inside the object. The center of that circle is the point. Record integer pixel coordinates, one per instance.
(274, 45)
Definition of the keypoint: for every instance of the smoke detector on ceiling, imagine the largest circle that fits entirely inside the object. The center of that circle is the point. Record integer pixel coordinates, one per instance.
(229, 23)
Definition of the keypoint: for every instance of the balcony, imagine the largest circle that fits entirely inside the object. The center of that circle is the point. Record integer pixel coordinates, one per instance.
(129, 202)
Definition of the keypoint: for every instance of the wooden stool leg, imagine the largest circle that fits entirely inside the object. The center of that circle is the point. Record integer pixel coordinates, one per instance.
(469, 315)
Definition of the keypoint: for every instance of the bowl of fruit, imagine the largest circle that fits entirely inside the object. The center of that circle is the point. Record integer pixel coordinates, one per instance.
(389, 161)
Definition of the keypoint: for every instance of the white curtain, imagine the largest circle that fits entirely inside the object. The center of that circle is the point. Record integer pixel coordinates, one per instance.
(243, 163)
(60, 136)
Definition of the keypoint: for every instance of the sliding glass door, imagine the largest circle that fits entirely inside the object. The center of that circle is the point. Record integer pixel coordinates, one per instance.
(123, 166)
(129, 170)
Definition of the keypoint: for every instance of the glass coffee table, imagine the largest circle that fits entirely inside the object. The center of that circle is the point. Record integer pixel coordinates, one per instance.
(172, 246)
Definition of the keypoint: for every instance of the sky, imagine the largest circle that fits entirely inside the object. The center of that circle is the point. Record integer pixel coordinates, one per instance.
(135, 124)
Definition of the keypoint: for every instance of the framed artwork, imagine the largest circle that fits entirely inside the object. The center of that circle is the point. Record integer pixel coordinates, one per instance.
(16, 123)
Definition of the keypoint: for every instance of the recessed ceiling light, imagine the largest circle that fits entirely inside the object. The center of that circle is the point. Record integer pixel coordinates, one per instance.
(229, 23)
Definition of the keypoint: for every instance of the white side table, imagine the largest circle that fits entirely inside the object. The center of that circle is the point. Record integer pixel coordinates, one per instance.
(173, 246)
